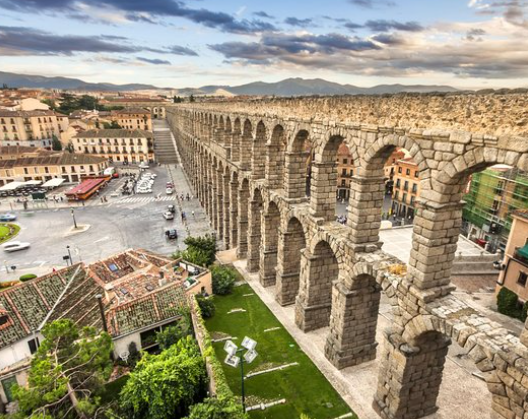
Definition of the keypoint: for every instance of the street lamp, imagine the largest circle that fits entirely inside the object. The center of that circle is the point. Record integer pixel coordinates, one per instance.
(7, 267)
(233, 360)
(69, 255)
(73, 216)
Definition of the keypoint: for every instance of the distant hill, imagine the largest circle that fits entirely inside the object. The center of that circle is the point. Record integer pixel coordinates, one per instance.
(287, 87)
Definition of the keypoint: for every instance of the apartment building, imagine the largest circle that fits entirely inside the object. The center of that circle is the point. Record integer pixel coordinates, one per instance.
(406, 188)
(31, 128)
(116, 145)
(133, 118)
(70, 167)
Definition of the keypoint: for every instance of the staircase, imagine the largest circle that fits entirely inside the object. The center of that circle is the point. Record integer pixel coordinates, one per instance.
(163, 143)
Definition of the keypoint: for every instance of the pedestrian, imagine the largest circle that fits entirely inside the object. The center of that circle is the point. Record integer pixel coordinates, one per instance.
(193, 213)
(183, 216)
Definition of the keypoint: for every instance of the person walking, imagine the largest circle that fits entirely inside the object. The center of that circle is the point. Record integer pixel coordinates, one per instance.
(193, 213)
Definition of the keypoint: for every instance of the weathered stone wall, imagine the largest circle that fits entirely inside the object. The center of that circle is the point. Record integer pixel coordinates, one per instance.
(338, 271)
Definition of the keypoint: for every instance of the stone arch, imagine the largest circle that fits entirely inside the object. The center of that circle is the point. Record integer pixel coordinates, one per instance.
(292, 242)
(319, 269)
(258, 161)
(298, 165)
(233, 202)
(270, 237)
(275, 158)
(246, 144)
(236, 139)
(243, 213)
(256, 205)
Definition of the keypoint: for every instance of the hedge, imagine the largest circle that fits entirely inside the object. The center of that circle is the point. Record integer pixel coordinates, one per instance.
(507, 303)
(27, 277)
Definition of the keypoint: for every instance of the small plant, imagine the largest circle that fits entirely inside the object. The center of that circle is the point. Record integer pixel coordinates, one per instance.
(508, 303)
(206, 305)
(27, 277)
(223, 279)
(399, 269)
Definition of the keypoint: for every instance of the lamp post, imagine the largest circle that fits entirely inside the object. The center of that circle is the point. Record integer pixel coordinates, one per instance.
(234, 360)
(7, 267)
(73, 216)
(69, 255)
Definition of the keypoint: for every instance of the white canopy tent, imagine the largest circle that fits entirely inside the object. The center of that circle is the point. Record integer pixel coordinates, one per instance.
(12, 186)
(32, 183)
(53, 183)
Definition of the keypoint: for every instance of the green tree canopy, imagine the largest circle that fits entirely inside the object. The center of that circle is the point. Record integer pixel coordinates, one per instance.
(55, 143)
(200, 250)
(224, 279)
(212, 408)
(111, 125)
(165, 385)
(67, 373)
(172, 334)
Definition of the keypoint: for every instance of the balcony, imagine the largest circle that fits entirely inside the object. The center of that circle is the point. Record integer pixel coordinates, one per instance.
(521, 255)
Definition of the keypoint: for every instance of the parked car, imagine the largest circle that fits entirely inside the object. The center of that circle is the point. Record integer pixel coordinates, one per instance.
(171, 234)
(8, 217)
(143, 165)
(169, 185)
(169, 191)
(171, 208)
(15, 246)
(168, 215)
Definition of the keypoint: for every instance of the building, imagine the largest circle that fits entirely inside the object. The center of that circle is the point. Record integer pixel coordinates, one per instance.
(116, 145)
(133, 118)
(13, 152)
(70, 167)
(514, 274)
(31, 128)
(345, 170)
(492, 195)
(406, 188)
(141, 293)
(157, 107)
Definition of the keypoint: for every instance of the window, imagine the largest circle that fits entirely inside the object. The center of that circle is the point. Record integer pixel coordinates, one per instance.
(345, 161)
(397, 195)
(414, 187)
(398, 182)
(26, 171)
(522, 278)
(408, 172)
(343, 183)
(344, 172)
(399, 169)
(404, 198)
(406, 186)
(416, 173)
(413, 199)
(8, 385)
(33, 345)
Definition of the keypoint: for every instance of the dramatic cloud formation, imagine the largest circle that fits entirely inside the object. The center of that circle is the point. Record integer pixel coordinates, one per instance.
(178, 50)
(155, 61)
(382, 25)
(144, 10)
(301, 23)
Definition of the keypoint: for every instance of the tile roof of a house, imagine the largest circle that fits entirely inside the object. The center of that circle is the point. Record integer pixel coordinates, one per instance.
(115, 133)
(26, 114)
(53, 159)
(129, 111)
(523, 213)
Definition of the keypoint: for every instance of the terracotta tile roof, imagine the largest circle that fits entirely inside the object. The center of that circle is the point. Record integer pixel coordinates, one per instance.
(25, 114)
(53, 159)
(523, 213)
(129, 111)
(115, 133)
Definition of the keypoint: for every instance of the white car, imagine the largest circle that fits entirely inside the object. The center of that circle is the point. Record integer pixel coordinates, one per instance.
(14, 246)
(169, 191)
(168, 215)
(143, 165)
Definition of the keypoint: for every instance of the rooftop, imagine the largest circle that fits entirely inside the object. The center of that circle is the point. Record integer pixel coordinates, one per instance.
(115, 133)
(129, 111)
(53, 159)
(26, 114)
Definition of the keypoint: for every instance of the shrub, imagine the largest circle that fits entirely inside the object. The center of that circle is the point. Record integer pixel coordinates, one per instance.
(27, 277)
(206, 305)
(200, 250)
(172, 334)
(507, 303)
(212, 408)
(223, 279)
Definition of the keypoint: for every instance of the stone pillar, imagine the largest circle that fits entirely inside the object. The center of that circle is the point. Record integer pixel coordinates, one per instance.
(233, 214)
(254, 235)
(352, 337)
(245, 151)
(435, 236)
(214, 199)
(226, 210)
(243, 203)
(313, 304)
(268, 250)
(410, 377)
(364, 212)
(295, 174)
(289, 250)
(219, 204)
(323, 190)
(235, 146)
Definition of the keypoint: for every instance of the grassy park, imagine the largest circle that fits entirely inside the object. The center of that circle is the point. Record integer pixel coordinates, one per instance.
(303, 386)
(8, 231)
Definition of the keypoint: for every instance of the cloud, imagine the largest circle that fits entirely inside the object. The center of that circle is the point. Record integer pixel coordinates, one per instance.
(263, 15)
(144, 11)
(372, 4)
(179, 50)
(382, 25)
(154, 61)
(388, 39)
(301, 23)
(351, 26)
(475, 34)
(26, 41)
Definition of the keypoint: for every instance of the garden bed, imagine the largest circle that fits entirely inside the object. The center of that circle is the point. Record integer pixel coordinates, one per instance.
(8, 231)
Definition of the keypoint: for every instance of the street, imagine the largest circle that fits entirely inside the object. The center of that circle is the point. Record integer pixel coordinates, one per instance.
(121, 223)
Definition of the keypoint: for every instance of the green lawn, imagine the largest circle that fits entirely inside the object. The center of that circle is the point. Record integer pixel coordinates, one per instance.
(8, 231)
(305, 389)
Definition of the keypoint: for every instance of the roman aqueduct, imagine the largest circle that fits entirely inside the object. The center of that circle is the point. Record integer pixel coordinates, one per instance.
(248, 165)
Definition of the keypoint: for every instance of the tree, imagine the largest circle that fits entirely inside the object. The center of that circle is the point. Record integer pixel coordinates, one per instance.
(165, 385)
(67, 373)
(56, 145)
(206, 305)
(69, 147)
(223, 279)
(177, 99)
(200, 250)
(111, 125)
(50, 103)
(212, 408)
(191, 98)
(172, 334)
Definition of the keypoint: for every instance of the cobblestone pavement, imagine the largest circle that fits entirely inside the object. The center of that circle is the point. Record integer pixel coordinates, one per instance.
(462, 394)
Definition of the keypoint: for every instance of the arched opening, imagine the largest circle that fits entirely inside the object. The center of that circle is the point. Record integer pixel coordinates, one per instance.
(275, 158)
(258, 160)
(254, 231)
(246, 144)
(291, 243)
(233, 202)
(319, 268)
(228, 139)
(298, 166)
(243, 203)
(268, 250)
(235, 141)
(225, 215)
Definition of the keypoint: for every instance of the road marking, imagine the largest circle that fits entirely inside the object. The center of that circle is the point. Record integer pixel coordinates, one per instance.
(102, 240)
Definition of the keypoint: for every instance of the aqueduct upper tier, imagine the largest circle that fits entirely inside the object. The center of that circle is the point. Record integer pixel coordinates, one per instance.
(265, 172)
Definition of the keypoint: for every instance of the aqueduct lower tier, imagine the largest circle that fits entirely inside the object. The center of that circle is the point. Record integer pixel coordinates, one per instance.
(249, 169)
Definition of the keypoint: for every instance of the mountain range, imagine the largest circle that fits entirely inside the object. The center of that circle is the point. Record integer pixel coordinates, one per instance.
(287, 87)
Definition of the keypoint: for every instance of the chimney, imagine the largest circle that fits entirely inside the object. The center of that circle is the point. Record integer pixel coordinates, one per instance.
(162, 281)
(109, 292)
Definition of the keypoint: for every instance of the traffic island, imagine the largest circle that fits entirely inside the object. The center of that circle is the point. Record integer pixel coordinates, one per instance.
(80, 228)
(8, 231)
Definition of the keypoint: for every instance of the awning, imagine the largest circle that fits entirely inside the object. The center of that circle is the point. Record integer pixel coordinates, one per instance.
(523, 251)
(32, 183)
(53, 183)
(12, 186)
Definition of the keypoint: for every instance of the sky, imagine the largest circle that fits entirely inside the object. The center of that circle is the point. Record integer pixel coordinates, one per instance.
(190, 43)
